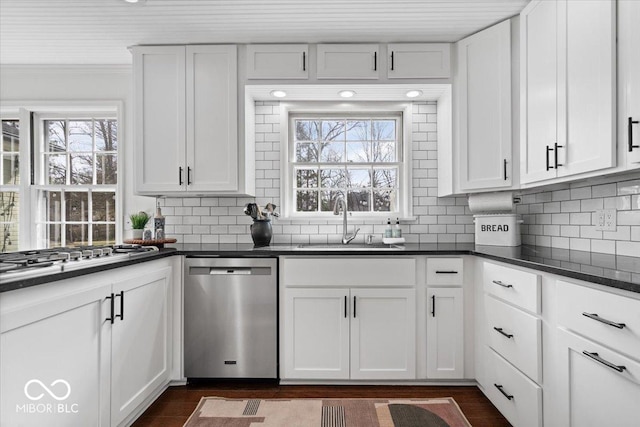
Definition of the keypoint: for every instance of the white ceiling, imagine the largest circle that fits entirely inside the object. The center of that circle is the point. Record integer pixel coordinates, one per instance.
(99, 31)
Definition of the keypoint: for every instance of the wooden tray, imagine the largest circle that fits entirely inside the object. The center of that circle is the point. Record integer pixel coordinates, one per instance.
(153, 242)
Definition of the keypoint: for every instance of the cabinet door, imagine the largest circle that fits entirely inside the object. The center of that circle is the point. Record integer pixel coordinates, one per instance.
(445, 333)
(316, 334)
(347, 61)
(419, 60)
(484, 62)
(539, 90)
(54, 361)
(159, 82)
(589, 35)
(278, 61)
(383, 334)
(593, 393)
(140, 342)
(212, 119)
(629, 83)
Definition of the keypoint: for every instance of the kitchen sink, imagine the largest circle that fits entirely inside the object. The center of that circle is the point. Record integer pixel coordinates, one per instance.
(350, 247)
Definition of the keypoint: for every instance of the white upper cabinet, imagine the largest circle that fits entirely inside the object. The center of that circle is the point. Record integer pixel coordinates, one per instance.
(484, 109)
(567, 88)
(187, 121)
(278, 61)
(418, 60)
(347, 61)
(629, 80)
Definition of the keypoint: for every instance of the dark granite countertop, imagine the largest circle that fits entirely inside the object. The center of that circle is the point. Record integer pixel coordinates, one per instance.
(609, 270)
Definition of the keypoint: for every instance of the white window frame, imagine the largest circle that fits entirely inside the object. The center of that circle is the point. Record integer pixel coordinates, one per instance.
(289, 110)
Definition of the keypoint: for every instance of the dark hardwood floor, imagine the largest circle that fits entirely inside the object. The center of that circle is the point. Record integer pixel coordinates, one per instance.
(175, 405)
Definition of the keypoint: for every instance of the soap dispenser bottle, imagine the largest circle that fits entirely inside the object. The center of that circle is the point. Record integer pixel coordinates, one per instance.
(397, 231)
(158, 223)
(387, 231)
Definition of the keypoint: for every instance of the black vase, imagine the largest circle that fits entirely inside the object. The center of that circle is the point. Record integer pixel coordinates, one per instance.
(261, 232)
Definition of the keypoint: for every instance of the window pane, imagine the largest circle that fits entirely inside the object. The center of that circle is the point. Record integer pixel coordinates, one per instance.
(81, 168)
(359, 130)
(307, 152)
(77, 234)
(104, 234)
(333, 178)
(104, 206)
(106, 169)
(332, 152)
(384, 201)
(53, 206)
(10, 169)
(358, 152)
(57, 167)
(81, 135)
(383, 130)
(55, 235)
(106, 132)
(385, 178)
(333, 130)
(306, 201)
(359, 200)
(9, 209)
(306, 178)
(55, 135)
(307, 130)
(384, 151)
(359, 178)
(76, 206)
(10, 136)
(329, 200)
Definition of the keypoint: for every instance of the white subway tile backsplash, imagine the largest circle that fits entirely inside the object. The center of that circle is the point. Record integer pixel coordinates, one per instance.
(628, 248)
(581, 193)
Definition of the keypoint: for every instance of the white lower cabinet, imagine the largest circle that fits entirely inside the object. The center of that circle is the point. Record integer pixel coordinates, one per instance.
(445, 333)
(63, 361)
(347, 333)
(598, 386)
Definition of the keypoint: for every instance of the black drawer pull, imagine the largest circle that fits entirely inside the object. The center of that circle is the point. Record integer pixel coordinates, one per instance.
(499, 330)
(354, 306)
(446, 272)
(346, 303)
(595, 317)
(433, 306)
(504, 393)
(504, 167)
(121, 315)
(499, 283)
(548, 165)
(180, 175)
(630, 133)
(599, 359)
(375, 61)
(304, 61)
(112, 298)
(555, 154)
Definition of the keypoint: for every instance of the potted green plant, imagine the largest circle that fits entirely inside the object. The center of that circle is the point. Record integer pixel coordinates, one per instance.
(138, 222)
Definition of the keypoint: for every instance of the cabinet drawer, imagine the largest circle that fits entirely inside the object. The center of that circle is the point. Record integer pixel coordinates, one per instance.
(445, 271)
(600, 316)
(515, 335)
(344, 271)
(518, 398)
(518, 287)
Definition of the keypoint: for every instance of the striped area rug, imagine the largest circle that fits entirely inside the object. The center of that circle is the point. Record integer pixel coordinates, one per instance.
(221, 412)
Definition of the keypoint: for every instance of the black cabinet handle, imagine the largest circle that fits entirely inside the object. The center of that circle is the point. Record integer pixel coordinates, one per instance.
(606, 363)
(555, 154)
(345, 306)
(597, 318)
(375, 61)
(354, 306)
(391, 60)
(504, 168)
(111, 319)
(188, 175)
(499, 283)
(446, 272)
(548, 165)
(180, 175)
(630, 133)
(433, 306)
(500, 331)
(304, 61)
(499, 387)
(121, 315)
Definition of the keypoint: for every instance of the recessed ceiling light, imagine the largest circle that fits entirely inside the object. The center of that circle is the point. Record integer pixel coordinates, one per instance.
(413, 93)
(278, 93)
(134, 1)
(347, 93)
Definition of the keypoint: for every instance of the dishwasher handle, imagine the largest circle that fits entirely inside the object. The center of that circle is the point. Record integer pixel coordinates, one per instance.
(229, 271)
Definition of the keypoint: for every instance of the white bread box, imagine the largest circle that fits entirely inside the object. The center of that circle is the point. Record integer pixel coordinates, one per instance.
(497, 229)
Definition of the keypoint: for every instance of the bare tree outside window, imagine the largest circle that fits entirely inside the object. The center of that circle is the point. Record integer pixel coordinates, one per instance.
(9, 195)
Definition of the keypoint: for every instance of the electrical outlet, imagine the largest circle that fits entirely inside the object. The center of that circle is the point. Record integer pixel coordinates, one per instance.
(606, 220)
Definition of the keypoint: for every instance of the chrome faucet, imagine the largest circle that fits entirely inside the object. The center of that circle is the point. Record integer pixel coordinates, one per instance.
(340, 202)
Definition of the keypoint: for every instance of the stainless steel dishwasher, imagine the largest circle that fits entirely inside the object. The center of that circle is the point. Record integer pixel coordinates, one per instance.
(230, 318)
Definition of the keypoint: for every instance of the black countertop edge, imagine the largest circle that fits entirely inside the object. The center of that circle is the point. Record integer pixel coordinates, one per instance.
(54, 277)
(562, 262)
